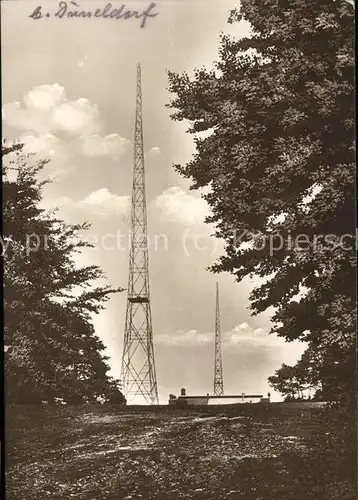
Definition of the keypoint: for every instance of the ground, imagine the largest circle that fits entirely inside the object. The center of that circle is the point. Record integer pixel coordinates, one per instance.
(251, 452)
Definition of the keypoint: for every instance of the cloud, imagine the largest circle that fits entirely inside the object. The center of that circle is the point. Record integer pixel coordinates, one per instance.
(175, 205)
(82, 61)
(243, 326)
(46, 109)
(44, 97)
(76, 118)
(191, 337)
(48, 146)
(247, 335)
(53, 126)
(43, 144)
(243, 335)
(154, 151)
(100, 203)
(22, 118)
(93, 146)
(109, 145)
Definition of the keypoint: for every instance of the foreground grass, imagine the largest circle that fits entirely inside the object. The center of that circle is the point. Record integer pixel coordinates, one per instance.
(250, 452)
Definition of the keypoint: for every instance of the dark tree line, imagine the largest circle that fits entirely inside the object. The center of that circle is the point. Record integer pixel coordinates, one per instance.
(301, 381)
(278, 159)
(51, 349)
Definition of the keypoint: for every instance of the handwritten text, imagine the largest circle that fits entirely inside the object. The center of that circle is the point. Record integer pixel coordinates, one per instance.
(72, 9)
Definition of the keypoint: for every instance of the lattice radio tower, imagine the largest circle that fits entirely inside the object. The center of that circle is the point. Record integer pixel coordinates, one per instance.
(218, 366)
(138, 366)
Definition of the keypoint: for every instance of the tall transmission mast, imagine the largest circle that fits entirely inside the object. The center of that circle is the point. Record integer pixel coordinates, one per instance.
(138, 366)
(218, 366)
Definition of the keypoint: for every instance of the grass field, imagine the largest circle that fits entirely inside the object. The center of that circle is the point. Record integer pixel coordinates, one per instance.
(250, 452)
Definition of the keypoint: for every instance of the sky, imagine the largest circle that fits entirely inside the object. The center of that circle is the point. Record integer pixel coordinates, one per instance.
(68, 89)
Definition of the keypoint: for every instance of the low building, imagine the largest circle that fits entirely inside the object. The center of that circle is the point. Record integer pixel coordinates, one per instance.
(184, 400)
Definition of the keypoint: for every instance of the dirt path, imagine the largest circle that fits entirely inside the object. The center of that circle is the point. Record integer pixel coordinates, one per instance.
(101, 454)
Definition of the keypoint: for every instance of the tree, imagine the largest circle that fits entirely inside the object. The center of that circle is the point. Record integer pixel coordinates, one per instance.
(51, 347)
(278, 159)
(285, 382)
(300, 380)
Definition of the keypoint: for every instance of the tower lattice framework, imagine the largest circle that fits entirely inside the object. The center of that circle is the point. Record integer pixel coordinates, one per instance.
(218, 364)
(138, 373)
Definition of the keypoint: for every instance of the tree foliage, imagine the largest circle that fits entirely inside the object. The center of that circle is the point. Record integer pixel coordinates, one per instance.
(51, 347)
(278, 157)
(303, 380)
